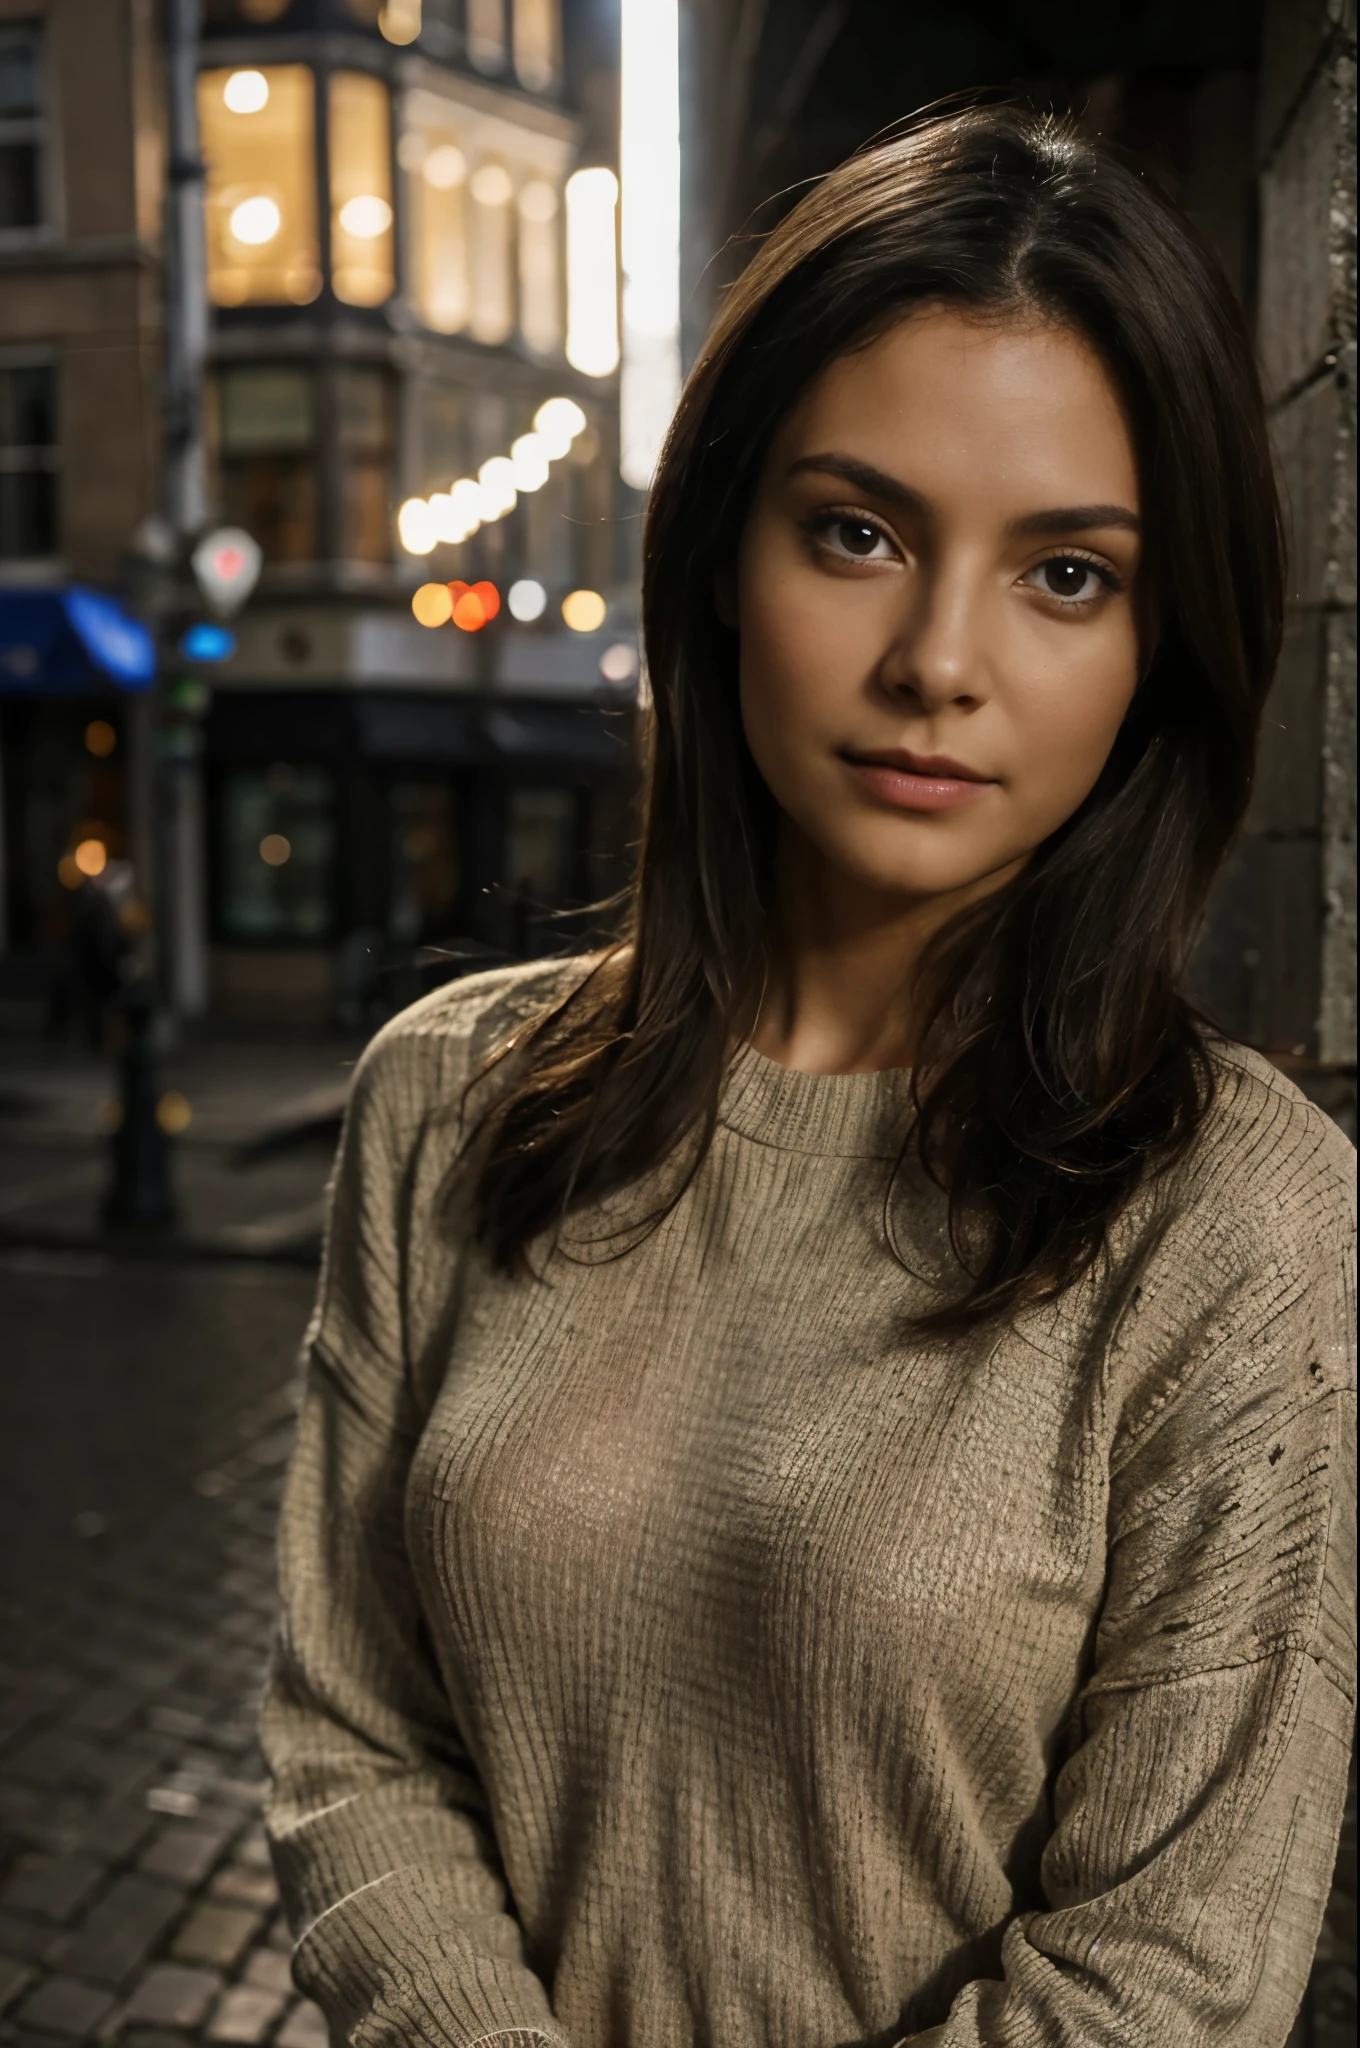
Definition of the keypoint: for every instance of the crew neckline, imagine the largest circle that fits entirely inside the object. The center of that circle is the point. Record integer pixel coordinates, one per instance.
(853, 1116)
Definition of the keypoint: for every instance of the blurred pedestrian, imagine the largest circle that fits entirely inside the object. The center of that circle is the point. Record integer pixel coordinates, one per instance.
(892, 1583)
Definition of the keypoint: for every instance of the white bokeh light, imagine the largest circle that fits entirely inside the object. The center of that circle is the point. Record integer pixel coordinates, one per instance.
(246, 92)
(592, 272)
(496, 481)
(529, 460)
(649, 164)
(255, 221)
(365, 217)
(416, 527)
(528, 600)
(557, 423)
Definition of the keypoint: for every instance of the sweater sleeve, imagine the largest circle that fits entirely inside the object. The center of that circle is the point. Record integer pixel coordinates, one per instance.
(377, 1821)
(1196, 1819)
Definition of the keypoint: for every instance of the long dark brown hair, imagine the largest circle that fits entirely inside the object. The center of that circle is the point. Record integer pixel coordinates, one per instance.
(1058, 1060)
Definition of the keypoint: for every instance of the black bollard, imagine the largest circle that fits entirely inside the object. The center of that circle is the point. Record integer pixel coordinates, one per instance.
(139, 1194)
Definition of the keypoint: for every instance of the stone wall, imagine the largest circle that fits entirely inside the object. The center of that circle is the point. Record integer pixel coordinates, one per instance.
(1280, 956)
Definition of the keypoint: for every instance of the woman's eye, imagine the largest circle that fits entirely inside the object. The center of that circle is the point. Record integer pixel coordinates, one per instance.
(858, 538)
(1070, 579)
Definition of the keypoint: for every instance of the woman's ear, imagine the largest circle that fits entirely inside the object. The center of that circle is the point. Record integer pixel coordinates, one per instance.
(725, 596)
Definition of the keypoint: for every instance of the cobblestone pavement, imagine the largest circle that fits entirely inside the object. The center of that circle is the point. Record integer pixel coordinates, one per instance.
(146, 1411)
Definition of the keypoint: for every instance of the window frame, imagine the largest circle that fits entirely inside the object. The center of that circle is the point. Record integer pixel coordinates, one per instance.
(37, 129)
(18, 567)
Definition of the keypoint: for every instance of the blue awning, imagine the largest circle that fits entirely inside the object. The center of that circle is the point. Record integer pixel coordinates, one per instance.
(70, 639)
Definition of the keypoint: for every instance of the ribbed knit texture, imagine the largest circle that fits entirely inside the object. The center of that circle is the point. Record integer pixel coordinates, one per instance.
(681, 1651)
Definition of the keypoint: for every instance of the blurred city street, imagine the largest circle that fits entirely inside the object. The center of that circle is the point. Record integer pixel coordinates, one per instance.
(145, 1415)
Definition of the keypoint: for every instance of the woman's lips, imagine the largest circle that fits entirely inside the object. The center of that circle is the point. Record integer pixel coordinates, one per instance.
(917, 785)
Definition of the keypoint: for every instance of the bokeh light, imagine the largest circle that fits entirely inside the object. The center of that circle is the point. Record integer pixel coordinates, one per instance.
(365, 216)
(592, 272)
(529, 462)
(433, 604)
(474, 605)
(246, 92)
(173, 1113)
(415, 526)
(100, 738)
(584, 610)
(557, 423)
(255, 221)
(91, 857)
(275, 850)
(496, 479)
(619, 663)
(528, 600)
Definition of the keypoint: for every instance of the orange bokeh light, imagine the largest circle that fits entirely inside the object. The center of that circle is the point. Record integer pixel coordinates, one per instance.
(474, 605)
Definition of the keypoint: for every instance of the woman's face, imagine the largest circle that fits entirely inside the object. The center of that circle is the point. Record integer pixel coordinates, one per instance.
(935, 598)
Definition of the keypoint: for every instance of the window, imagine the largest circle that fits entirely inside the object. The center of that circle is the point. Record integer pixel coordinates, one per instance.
(278, 854)
(423, 872)
(433, 159)
(21, 128)
(267, 437)
(28, 461)
(540, 283)
(361, 189)
(493, 304)
(538, 57)
(364, 402)
(540, 861)
(258, 140)
(443, 438)
(486, 34)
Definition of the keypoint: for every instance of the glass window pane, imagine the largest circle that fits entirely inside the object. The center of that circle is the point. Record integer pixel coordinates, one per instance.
(537, 46)
(540, 854)
(486, 34)
(493, 308)
(278, 853)
(267, 432)
(28, 395)
(540, 280)
(28, 514)
(18, 184)
(435, 167)
(364, 404)
(18, 73)
(258, 140)
(361, 189)
(443, 438)
(423, 865)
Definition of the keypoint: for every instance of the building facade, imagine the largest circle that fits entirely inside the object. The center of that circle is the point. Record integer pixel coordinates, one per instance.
(351, 796)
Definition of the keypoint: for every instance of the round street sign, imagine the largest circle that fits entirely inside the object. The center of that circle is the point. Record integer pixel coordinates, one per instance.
(226, 565)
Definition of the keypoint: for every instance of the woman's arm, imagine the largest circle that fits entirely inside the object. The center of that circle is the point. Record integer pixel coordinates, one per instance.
(379, 1827)
(1195, 1825)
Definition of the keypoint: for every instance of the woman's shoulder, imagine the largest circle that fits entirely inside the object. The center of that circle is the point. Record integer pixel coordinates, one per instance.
(441, 1041)
(1267, 1188)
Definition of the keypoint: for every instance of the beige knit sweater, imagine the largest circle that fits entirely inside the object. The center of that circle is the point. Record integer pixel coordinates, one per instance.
(682, 1652)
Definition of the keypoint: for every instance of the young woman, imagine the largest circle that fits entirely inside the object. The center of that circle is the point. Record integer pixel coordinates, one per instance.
(820, 1509)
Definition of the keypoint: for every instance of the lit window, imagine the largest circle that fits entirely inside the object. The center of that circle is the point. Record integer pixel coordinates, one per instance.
(28, 462)
(592, 274)
(361, 189)
(277, 840)
(21, 128)
(364, 399)
(435, 168)
(493, 308)
(267, 439)
(258, 140)
(537, 44)
(649, 161)
(540, 285)
(486, 34)
(399, 21)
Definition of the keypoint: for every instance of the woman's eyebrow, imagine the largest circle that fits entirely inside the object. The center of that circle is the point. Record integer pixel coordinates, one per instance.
(878, 484)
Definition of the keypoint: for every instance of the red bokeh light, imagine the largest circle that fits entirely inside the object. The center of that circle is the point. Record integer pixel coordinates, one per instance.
(474, 605)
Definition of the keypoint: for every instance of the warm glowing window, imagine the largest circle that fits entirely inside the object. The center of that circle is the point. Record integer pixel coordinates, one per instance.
(540, 279)
(486, 34)
(266, 431)
(537, 47)
(493, 306)
(258, 140)
(433, 160)
(361, 189)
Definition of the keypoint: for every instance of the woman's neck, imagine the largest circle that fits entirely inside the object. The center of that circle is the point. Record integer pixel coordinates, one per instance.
(843, 966)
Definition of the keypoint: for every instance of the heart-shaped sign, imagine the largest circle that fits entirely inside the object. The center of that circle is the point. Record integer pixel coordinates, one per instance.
(226, 566)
